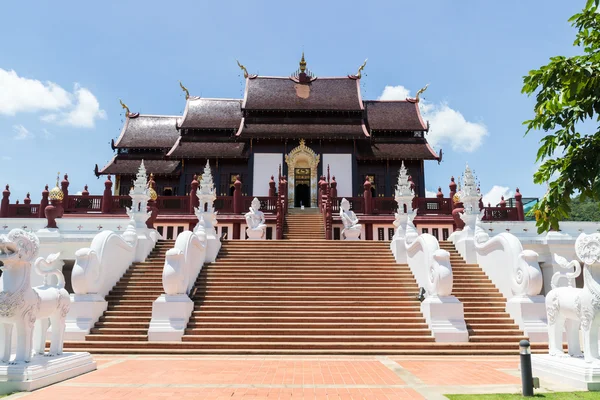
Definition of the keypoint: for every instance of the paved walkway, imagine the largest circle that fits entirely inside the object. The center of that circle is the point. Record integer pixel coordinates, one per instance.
(289, 377)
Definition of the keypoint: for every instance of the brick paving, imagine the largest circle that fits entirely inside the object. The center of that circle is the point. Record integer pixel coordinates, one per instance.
(287, 377)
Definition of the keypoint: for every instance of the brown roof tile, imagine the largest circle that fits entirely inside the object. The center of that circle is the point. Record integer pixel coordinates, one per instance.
(148, 131)
(203, 113)
(208, 149)
(395, 151)
(394, 115)
(130, 167)
(280, 93)
(303, 130)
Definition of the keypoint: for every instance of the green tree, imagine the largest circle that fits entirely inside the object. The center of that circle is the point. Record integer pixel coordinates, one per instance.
(584, 210)
(567, 93)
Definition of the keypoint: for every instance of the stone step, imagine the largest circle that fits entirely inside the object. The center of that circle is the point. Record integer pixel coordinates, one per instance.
(207, 314)
(305, 338)
(204, 331)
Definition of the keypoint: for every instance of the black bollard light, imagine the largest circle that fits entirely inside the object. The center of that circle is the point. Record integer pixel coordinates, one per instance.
(526, 373)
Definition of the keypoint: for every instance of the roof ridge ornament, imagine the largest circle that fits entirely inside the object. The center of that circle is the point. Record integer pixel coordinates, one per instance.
(242, 68)
(421, 91)
(360, 69)
(303, 74)
(187, 93)
(124, 106)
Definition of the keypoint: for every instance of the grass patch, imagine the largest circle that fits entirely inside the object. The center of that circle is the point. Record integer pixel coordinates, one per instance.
(550, 396)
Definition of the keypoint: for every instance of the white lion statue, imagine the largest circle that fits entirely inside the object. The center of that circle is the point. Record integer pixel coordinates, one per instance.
(571, 307)
(27, 307)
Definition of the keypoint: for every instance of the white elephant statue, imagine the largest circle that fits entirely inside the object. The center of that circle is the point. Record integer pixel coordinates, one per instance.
(25, 307)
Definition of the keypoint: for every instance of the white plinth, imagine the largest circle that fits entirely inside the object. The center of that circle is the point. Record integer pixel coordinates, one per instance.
(570, 370)
(529, 312)
(85, 311)
(256, 234)
(213, 245)
(351, 234)
(398, 247)
(43, 371)
(170, 316)
(446, 319)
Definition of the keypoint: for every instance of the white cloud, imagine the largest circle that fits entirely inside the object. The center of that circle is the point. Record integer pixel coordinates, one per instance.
(46, 134)
(21, 133)
(448, 126)
(430, 194)
(495, 194)
(86, 111)
(18, 94)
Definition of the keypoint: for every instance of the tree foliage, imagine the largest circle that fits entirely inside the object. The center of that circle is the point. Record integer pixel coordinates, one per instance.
(567, 93)
(584, 210)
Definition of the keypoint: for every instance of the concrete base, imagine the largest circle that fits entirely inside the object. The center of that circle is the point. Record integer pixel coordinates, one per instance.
(86, 310)
(257, 234)
(43, 371)
(446, 319)
(170, 316)
(351, 234)
(398, 247)
(213, 245)
(570, 370)
(530, 313)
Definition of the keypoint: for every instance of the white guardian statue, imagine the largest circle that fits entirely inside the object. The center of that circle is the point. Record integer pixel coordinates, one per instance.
(352, 229)
(25, 307)
(255, 219)
(572, 308)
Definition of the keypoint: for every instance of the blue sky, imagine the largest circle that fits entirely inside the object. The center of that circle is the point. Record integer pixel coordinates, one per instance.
(64, 65)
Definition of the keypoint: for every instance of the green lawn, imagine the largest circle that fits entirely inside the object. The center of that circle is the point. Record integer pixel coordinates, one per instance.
(550, 396)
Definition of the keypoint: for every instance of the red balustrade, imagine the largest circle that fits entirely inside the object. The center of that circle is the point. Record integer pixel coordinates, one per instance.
(501, 214)
(384, 205)
(433, 205)
(83, 204)
(357, 204)
(224, 204)
(23, 210)
(173, 204)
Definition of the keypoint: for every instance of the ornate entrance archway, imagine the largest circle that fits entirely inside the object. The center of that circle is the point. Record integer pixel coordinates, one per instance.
(302, 157)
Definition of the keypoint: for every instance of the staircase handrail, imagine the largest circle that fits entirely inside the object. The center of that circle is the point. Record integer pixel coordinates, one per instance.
(98, 267)
(515, 271)
(183, 263)
(430, 265)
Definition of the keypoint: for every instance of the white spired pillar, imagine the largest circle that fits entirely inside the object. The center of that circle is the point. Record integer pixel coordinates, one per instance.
(404, 196)
(207, 216)
(138, 214)
(465, 240)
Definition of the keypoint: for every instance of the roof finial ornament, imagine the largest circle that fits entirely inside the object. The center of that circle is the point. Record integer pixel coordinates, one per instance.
(359, 73)
(421, 92)
(187, 93)
(302, 63)
(125, 108)
(243, 69)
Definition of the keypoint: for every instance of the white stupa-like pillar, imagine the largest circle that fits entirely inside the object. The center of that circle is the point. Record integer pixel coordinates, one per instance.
(404, 196)
(207, 216)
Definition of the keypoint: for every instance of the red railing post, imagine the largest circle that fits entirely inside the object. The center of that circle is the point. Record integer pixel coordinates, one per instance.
(368, 196)
(452, 187)
(238, 203)
(64, 186)
(194, 200)
(333, 187)
(107, 196)
(5, 203)
(272, 187)
(519, 206)
(286, 204)
(43, 203)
